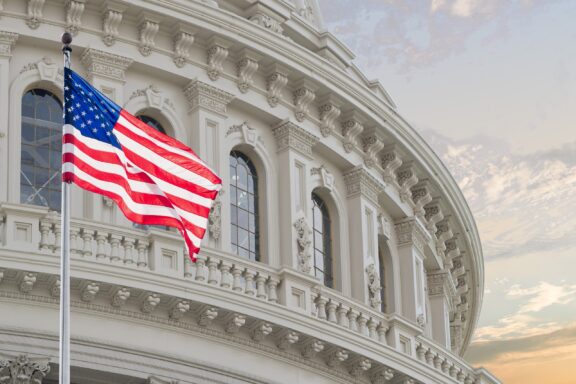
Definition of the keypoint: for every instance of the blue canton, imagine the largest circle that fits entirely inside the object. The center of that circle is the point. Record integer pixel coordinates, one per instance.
(88, 110)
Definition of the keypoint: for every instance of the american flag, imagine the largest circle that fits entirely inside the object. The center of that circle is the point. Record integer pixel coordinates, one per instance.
(154, 179)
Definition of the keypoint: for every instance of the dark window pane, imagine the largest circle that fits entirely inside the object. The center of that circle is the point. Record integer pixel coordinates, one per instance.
(244, 205)
(322, 240)
(41, 150)
(153, 123)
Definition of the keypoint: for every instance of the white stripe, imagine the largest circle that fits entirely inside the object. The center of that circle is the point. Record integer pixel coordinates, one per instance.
(166, 165)
(163, 185)
(138, 208)
(132, 128)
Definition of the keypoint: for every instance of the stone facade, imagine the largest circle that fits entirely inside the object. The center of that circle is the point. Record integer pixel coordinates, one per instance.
(223, 76)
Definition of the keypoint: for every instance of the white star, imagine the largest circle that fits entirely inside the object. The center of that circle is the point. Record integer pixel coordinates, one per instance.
(72, 96)
(83, 113)
(82, 125)
(94, 130)
(89, 122)
(108, 133)
(78, 105)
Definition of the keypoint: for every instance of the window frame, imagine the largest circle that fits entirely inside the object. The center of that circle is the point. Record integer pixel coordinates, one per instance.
(327, 269)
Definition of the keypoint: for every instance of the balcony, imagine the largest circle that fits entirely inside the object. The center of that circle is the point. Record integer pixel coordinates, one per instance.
(145, 273)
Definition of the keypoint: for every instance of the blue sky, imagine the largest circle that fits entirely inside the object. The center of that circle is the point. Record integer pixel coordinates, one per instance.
(491, 84)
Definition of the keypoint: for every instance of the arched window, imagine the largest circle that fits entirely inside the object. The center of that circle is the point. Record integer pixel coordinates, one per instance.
(382, 271)
(322, 241)
(41, 151)
(244, 206)
(153, 123)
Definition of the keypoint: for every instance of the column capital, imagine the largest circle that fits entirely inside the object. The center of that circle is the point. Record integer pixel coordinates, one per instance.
(360, 182)
(7, 41)
(440, 283)
(289, 135)
(411, 232)
(104, 64)
(206, 96)
(24, 370)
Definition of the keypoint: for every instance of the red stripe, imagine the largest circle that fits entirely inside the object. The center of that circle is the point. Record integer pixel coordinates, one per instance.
(139, 218)
(167, 200)
(197, 167)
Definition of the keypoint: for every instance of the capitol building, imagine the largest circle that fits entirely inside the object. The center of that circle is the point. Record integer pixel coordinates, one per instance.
(340, 249)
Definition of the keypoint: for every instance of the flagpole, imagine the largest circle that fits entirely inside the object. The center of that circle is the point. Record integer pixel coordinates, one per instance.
(64, 361)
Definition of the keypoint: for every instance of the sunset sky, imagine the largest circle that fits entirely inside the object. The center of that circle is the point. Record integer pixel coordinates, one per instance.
(491, 85)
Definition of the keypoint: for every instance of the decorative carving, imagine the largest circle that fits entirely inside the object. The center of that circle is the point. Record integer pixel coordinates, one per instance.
(34, 13)
(360, 182)
(178, 309)
(303, 241)
(390, 162)
(360, 366)
(266, 18)
(406, 178)
(74, 11)
(275, 83)
(246, 67)
(22, 370)
(7, 41)
(372, 143)
(120, 297)
(234, 322)
(311, 348)
(207, 315)
(183, 40)
(286, 339)
(249, 134)
(105, 64)
(261, 330)
(27, 281)
(374, 286)
(304, 95)
(336, 356)
(421, 320)
(410, 232)
(329, 112)
(202, 95)
(150, 302)
(216, 55)
(432, 215)
(289, 135)
(384, 226)
(112, 18)
(149, 27)
(443, 234)
(420, 197)
(325, 176)
(55, 287)
(215, 218)
(351, 128)
(382, 376)
(90, 291)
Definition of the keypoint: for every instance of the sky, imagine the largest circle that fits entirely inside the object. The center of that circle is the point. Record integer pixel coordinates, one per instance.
(491, 85)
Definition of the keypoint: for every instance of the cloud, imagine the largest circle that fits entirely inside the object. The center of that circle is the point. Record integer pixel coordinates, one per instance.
(542, 295)
(519, 201)
(529, 347)
(411, 34)
(515, 326)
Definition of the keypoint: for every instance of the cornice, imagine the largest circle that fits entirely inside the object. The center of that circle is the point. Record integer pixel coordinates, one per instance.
(105, 64)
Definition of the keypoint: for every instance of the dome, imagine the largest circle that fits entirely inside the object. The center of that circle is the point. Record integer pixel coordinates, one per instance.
(340, 249)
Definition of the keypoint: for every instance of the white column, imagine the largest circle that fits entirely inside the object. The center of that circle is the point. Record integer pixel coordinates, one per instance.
(106, 72)
(362, 198)
(7, 41)
(206, 129)
(438, 293)
(411, 238)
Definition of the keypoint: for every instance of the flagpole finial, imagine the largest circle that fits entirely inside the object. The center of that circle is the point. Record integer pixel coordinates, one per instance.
(66, 41)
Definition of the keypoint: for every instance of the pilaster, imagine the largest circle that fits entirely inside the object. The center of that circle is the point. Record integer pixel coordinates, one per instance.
(7, 41)
(362, 191)
(207, 126)
(294, 147)
(440, 290)
(411, 238)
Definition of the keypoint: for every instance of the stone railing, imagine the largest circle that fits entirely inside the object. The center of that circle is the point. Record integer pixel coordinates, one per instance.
(36, 231)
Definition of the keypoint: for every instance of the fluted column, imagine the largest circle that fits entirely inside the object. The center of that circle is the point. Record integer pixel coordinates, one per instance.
(362, 191)
(7, 41)
(207, 125)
